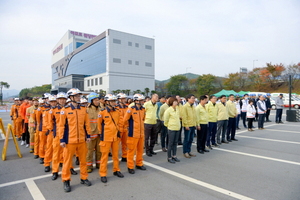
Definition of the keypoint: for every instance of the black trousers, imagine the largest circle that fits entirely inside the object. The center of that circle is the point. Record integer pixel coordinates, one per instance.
(267, 115)
(250, 122)
(180, 133)
(150, 136)
(231, 128)
(244, 116)
(159, 125)
(25, 135)
(201, 137)
(261, 120)
(278, 115)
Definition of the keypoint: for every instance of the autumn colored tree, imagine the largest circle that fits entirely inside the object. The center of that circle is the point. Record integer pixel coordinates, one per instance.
(272, 75)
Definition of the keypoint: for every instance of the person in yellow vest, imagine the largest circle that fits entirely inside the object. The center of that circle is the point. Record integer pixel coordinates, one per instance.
(164, 129)
(202, 117)
(189, 122)
(123, 124)
(150, 124)
(212, 111)
(180, 104)
(93, 147)
(172, 122)
(30, 114)
(74, 132)
(232, 114)
(135, 117)
(108, 126)
(222, 120)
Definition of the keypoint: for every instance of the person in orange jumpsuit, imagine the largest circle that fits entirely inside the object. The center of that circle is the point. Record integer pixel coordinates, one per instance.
(16, 118)
(93, 146)
(25, 135)
(74, 131)
(36, 116)
(135, 117)
(49, 148)
(31, 121)
(108, 125)
(42, 121)
(123, 124)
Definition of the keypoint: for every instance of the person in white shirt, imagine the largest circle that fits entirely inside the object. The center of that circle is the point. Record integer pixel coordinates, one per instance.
(251, 111)
(261, 110)
(244, 104)
(238, 108)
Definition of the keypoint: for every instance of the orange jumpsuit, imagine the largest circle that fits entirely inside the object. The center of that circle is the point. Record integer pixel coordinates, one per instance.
(95, 139)
(109, 137)
(49, 143)
(36, 134)
(123, 129)
(42, 125)
(57, 156)
(73, 129)
(17, 119)
(135, 141)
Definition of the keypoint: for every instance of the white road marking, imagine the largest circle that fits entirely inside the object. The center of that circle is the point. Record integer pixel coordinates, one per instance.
(34, 190)
(283, 131)
(197, 182)
(258, 138)
(238, 132)
(257, 156)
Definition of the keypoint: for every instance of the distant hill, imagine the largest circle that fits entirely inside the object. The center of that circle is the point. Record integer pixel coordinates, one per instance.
(10, 93)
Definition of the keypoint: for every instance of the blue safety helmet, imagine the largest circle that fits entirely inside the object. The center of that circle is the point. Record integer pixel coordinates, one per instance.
(268, 94)
(92, 96)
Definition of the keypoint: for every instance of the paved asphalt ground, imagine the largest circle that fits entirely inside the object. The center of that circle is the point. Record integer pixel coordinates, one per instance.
(264, 164)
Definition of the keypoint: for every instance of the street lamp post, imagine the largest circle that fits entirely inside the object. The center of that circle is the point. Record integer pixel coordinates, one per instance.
(254, 62)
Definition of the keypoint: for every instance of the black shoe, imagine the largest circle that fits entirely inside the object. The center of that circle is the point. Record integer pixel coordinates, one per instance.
(237, 128)
(77, 161)
(73, 172)
(124, 159)
(280, 122)
(205, 150)
(103, 179)
(170, 160)
(234, 139)
(85, 182)
(54, 176)
(19, 139)
(229, 141)
(36, 156)
(60, 164)
(201, 151)
(219, 143)
(67, 186)
(175, 159)
(41, 160)
(224, 141)
(47, 169)
(253, 127)
(119, 174)
(245, 126)
(164, 149)
(109, 154)
(141, 167)
(149, 154)
(131, 171)
(153, 153)
(180, 143)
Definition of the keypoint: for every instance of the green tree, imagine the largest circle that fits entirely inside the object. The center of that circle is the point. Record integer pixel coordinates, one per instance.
(3, 85)
(147, 90)
(153, 92)
(35, 91)
(127, 91)
(177, 85)
(205, 84)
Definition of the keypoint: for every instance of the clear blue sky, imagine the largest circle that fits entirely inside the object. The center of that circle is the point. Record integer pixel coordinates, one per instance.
(215, 37)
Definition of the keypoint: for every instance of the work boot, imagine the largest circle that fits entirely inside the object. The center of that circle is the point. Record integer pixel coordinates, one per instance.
(31, 151)
(118, 174)
(131, 171)
(54, 176)
(97, 166)
(67, 186)
(36, 156)
(77, 161)
(41, 160)
(103, 179)
(85, 182)
(73, 172)
(89, 170)
(47, 169)
(124, 159)
(110, 155)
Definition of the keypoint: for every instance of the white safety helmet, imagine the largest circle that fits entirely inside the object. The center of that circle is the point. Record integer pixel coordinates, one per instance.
(73, 92)
(110, 97)
(16, 99)
(83, 100)
(68, 100)
(46, 95)
(52, 98)
(41, 100)
(138, 97)
(62, 95)
(121, 96)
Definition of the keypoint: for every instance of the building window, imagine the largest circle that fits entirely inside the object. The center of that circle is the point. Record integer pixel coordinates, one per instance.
(96, 81)
(100, 81)
(70, 47)
(136, 44)
(129, 43)
(78, 44)
(96, 91)
(148, 47)
(116, 41)
(92, 82)
(88, 83)
(137, 63)
(148, 64)
(129, 62)
(116, 60)
(66, 50)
